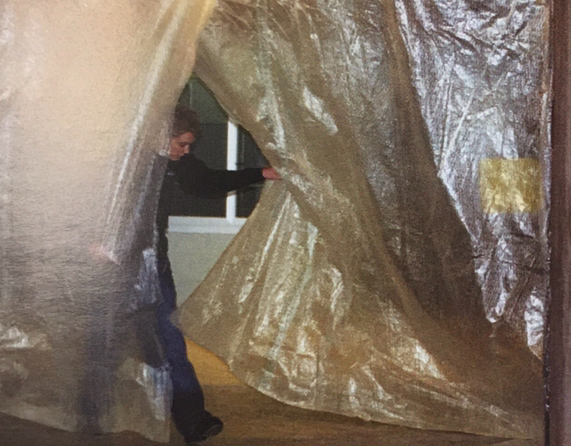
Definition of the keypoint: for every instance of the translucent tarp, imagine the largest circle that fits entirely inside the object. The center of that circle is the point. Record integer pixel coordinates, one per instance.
(86, 91)
(398, 272)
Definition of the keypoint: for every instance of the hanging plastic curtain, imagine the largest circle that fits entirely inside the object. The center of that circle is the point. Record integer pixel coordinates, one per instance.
(481, 74)
(398, 271)
(86, 89)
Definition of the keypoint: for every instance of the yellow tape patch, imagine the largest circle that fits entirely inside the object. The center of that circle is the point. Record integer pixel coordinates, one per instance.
(510, 185)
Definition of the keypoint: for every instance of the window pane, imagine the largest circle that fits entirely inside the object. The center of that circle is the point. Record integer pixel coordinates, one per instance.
(198, 97)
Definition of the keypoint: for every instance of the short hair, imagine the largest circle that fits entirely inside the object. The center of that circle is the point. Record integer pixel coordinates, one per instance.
(185, 120)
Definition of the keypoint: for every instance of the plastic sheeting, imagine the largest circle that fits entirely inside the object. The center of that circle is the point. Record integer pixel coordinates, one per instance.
(482, 78)
(86, 89)
(398, 272)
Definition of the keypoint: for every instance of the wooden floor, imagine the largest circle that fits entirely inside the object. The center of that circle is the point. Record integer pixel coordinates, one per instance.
(252, 419)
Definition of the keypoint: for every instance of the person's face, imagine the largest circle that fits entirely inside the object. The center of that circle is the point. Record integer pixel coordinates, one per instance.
(180, 145)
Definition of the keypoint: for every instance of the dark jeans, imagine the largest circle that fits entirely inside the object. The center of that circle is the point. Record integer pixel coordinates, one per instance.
(188, 398)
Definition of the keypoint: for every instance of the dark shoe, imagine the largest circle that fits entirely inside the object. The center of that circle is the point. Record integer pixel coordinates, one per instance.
(208, 426)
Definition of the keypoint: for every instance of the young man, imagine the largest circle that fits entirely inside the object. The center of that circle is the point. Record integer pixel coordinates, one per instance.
(191, 175)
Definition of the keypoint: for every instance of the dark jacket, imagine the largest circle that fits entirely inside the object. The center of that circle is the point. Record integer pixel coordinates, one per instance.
(194, 177)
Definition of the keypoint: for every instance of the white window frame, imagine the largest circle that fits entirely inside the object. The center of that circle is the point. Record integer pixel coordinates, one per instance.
(230, 224)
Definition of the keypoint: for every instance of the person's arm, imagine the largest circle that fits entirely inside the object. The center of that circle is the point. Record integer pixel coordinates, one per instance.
(196, 178)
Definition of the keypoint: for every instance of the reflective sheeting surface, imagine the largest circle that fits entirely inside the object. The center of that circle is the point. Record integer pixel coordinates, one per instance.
(398, 272)
(481, 74)
(86, 91)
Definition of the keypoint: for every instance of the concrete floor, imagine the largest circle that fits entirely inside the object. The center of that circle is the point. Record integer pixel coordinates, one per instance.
(252, 419)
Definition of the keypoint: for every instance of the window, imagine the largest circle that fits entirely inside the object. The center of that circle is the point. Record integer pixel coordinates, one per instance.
(223, 145)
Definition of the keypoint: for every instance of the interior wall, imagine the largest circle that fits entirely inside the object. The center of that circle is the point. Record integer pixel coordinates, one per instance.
(192, 256)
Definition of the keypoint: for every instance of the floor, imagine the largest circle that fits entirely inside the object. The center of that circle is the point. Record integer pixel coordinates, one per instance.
(252, 419)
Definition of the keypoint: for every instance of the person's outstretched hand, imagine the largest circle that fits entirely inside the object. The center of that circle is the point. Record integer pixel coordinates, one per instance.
(270, 173)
